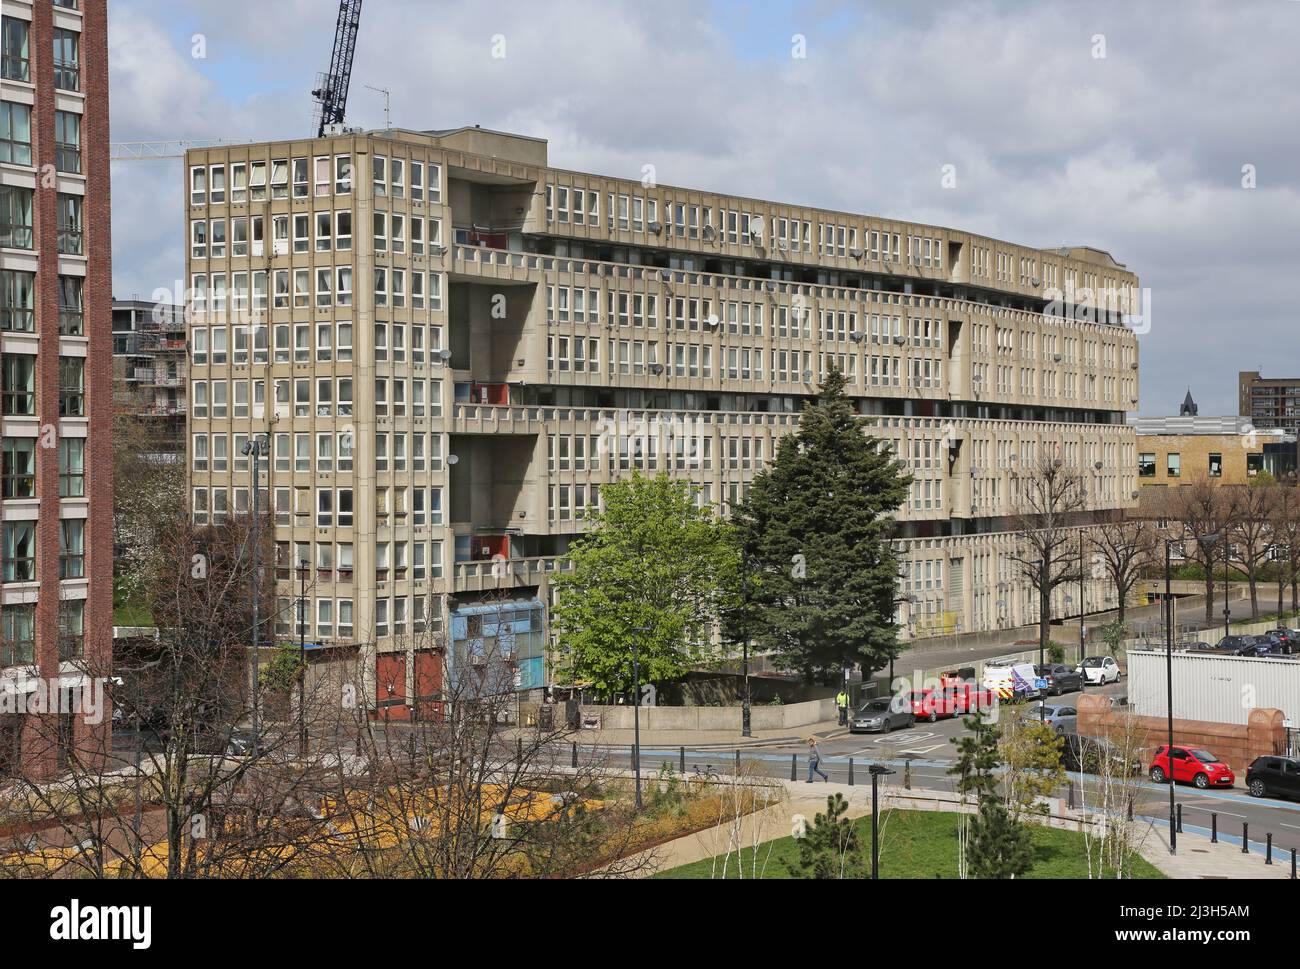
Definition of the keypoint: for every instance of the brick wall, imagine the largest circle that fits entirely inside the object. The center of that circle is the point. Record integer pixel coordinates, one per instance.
(1237, 744)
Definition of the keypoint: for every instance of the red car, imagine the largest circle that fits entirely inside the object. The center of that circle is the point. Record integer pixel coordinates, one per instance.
(1191, 764)
(967, 699)
(932, 705)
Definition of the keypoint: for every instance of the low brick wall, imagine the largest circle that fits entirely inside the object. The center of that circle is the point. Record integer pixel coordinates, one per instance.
(1237, 744)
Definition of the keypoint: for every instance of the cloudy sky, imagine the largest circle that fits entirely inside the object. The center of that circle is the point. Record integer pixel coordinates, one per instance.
(1140, 152)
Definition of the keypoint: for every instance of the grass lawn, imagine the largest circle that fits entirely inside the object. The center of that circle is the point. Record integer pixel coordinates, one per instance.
(921, 844)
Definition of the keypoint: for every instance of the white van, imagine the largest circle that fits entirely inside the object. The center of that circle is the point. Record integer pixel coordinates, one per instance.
(1011, 680)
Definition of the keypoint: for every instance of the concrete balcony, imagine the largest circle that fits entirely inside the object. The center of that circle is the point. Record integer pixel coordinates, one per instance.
(483, 576)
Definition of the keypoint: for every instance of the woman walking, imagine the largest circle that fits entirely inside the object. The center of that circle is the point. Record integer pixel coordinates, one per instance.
(814, 760)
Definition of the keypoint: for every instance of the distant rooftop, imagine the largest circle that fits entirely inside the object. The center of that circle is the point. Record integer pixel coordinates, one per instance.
(1207, 426)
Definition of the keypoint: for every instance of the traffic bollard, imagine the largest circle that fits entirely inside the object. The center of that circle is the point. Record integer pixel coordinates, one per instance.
(737, 771)
(1293, 864)
(794, 767)
(1245, 837)
(1268, 849)
(1180, 819)
(575, 753)
(850, 772)
(519, 750)
(682, 760)
(907, 773)
(1069, 794)
(1214, 827)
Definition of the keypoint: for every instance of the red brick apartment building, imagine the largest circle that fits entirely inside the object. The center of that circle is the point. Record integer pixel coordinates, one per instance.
(56, 375)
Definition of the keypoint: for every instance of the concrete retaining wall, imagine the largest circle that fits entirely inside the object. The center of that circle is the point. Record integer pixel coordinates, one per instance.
(785, 717)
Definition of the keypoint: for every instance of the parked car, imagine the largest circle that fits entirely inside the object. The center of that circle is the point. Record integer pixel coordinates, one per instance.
(1274, 777)
(1099, 670)
(1062, 719)
(1196, 647)
(1060, 678)
(931, 705)
(1191, 765)
(968, 697)
(1287, 639)
(1094, 755)
(882, 715)
(1235, 645)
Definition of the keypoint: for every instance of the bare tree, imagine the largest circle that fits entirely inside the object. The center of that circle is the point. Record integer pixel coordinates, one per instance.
(1199, 512)
(1124, 550)
(1050, 499)
(1285, 528)
(1250, 531)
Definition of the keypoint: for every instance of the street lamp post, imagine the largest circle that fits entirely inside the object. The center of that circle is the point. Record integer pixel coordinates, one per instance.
(1227, 567)
(877, 772)
(1082, 632)
(302, 658)
(1169, 697)
(253, 449)
(744, 620)
(636, 709)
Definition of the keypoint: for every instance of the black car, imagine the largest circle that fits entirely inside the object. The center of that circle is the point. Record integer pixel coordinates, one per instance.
(1234, 645)
(1060, 678)
(1284, 638)
(1274, 777)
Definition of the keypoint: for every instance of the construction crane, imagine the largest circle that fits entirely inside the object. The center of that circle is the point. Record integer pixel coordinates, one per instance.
(150, 150)
(332, 88)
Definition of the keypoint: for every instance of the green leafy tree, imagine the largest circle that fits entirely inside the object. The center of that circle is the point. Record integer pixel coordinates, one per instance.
(814, 530)
(977, 757)
(654, 566)
(1032, 753)
(832, 848)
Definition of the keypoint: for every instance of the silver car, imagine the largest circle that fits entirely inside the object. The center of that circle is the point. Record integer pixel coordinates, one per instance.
(1062, 719)
(882, 715)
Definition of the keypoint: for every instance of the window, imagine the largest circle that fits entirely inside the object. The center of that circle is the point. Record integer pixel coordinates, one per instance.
(72, 627)
(342, 174)
(1147, 465)
(18, 385)
(300, 183)
(15, 53)
(19, 467)
(16, 133)
(20, 551)
(15, 217)
(72, 467)
(1216, 465)
(72, 548)
(67, 70)
(72, 387)
(280, 178)
(17, 301)
(17, 630)
(72, 317)
(69, 219)
(1173, 465)
(67, 143)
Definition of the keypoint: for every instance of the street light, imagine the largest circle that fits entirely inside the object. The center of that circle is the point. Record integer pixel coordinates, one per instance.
(302, 659)
(636, 710)
(877, 772)
(254, 448)
(744, 620)
(1207, 540)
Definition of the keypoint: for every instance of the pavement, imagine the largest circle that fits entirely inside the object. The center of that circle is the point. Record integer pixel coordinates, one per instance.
(721, 740)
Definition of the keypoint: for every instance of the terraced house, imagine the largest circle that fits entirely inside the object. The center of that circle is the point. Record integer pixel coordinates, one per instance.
(451, 347)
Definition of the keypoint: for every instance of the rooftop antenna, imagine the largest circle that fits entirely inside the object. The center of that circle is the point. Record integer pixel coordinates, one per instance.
(388, 102)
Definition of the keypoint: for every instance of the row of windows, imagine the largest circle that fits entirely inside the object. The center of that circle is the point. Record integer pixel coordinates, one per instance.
(18, 632)
(16, 137)
(322, 618)
(244, 398)
(18, 550)
(15, 54)
(212, 295)
(16, 220)
(687, 220)
(334, 506)
(19, 467)
(18, 303)
(332, 232)
(320, 175)
(18, 385)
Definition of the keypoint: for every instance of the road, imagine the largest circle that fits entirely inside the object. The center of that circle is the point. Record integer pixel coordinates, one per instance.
(926, 751)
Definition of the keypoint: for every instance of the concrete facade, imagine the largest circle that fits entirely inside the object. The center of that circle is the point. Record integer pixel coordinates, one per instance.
(461, 346)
